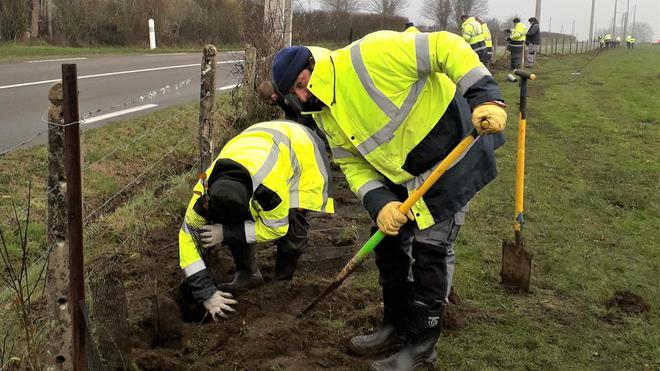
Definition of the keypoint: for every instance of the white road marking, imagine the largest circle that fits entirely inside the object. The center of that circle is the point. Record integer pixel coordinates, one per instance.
(106, 116)
(113, 74)
(57, 60)
(164, 54)
(227, 87)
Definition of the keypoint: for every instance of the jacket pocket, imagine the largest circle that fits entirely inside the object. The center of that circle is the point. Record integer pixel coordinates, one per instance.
(266, 198)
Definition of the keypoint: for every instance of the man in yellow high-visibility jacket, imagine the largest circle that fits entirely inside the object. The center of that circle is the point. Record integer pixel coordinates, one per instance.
(488, 38)
(516, 43)
(393, 105)
(474, 35)
(257, 191)
(608, 41)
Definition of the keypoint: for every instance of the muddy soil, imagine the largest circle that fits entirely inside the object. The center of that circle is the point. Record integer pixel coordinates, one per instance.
(263, 333)
(627, 302)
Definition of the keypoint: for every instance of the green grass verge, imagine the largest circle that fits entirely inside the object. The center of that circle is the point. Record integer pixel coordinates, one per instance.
(592, 212)
(10, 52)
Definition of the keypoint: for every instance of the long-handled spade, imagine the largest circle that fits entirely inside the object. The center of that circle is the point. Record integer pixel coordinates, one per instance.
(454, 156)
(516, 262)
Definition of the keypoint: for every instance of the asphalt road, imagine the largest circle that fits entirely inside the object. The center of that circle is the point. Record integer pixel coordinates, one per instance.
(112, 88)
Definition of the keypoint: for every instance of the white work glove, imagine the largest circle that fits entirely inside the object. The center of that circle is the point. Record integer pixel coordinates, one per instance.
(211, 235)
(219, 303)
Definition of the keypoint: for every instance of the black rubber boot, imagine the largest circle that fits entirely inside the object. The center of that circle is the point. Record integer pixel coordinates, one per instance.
(247, 275)
(391, 336)
(285, 265)
(423, 334)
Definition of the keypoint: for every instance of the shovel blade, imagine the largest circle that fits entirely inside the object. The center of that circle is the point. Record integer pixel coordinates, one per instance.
(516, 267)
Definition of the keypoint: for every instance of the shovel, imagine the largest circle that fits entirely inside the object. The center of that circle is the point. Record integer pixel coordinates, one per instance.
(453, 157)
(516, 262)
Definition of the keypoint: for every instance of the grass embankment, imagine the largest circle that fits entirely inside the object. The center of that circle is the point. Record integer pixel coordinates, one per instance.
(592, 210)
(134, 161)
(10, 52)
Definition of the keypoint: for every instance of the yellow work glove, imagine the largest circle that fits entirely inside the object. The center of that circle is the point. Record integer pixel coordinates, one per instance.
(390, 219)
(489, 118)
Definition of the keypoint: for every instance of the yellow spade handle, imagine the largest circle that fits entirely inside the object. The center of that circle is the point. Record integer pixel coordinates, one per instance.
(520, 172)
(445, 164)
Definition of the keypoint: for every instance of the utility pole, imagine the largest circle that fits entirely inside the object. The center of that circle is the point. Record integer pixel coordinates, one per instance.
(537, 14)
(634, 18)
(573, 29)
(591, 24)
(614, 21)
(625, 26)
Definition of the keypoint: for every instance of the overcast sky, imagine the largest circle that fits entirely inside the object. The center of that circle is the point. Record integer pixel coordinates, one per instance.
(564, 12)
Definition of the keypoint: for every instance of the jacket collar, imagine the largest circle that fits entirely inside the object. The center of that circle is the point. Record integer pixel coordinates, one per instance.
(323, 79)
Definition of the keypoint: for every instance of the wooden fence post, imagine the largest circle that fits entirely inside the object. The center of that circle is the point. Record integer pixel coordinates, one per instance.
(207, 107)
(74, 214)
(59, 352)
(556, 46)
(249, 77)
(562, 46)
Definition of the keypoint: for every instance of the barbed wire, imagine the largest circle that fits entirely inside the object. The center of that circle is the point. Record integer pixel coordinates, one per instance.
(147, 95)
(152, 129)
(134, 181)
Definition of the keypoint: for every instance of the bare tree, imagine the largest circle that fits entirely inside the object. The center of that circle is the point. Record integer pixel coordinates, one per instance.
(34, 24)
(438, 12)
(341, 6)
(643, 32)
(468, 7)
(387, 7)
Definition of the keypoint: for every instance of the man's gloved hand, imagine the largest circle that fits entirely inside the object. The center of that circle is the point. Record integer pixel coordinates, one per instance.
(489, 118)
(390, 219)
(211, 235)
(219, 303)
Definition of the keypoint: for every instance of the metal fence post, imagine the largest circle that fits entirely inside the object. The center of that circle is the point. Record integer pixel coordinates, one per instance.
(59, 352)
(207, 107)
(74, 215)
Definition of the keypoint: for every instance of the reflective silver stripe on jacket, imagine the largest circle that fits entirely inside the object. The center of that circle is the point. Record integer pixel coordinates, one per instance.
(194, 267)
(397, 115)
(471, 78)
(367, 187)
(338, 153)
(321, 163)
(417, 181)
(482, 47)
(271, 161)
(250, 231)
(276, 223)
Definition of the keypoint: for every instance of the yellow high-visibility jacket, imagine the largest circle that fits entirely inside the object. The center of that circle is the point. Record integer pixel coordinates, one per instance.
(488, 38)
(384, 95)
(607, 37)
(517, 38)
(519, 32)
(288, 168)
(473, 34)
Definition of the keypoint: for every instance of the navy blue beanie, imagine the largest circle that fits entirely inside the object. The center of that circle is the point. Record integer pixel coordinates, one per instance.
(287, 65)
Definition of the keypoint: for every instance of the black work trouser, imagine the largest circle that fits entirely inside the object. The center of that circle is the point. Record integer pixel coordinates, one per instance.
(424, 258)
(296, 240)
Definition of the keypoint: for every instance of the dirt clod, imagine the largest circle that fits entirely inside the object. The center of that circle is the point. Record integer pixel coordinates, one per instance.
(627, 302)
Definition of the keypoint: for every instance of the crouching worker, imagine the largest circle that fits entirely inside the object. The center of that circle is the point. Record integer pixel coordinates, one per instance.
(257, 191)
